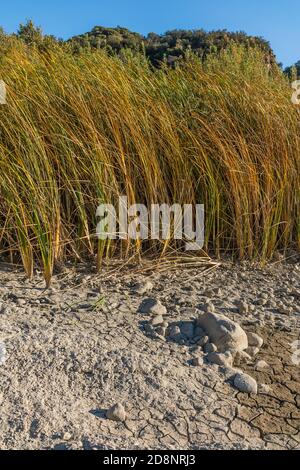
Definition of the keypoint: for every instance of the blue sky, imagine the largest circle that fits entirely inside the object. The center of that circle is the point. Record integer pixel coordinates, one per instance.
(276, 20)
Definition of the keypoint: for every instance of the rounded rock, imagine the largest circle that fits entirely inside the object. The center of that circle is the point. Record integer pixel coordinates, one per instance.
(221, 359)
(197, 361)
(242, 357)
(261, 366)
(210, 348)
(116, 413)
(143, 288)
(254, 340)
(252, 351)
(152, 306)
(245, 383)
(157, 320)
(243, 308)
(203, 341)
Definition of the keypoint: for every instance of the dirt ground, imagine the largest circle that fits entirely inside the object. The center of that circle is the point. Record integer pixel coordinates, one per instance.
(67, 354)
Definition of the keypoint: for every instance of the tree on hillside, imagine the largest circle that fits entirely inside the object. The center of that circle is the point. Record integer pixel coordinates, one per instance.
(111, 39)
(30, 33)
(33, 36)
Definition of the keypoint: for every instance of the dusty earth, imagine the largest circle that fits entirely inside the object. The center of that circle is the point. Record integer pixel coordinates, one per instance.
(67, 354)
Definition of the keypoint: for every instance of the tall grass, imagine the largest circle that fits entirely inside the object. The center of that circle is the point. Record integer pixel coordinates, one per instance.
(80, 130)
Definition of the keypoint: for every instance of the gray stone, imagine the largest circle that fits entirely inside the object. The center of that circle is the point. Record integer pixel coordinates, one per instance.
(261, 366)
(116, 413)
(254, 340)
(230, 373)
(209, 307)
(157, 320)
(173, 331)
(152, 306)
(245, 383)
(197, 361)
(252, 351)
(187, 329)
(210, 348)
(160, 331)
(242, 357)
(221, 359)
(223, 332)
(243, 308)
(143, 288)
(203, 341)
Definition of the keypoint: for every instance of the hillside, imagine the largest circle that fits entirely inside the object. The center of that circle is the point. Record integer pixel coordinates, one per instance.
(170, 46)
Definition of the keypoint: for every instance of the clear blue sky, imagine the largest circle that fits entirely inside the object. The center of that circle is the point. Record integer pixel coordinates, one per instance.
(276, 20)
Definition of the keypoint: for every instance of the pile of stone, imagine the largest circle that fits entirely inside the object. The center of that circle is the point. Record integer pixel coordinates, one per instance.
(220, 340)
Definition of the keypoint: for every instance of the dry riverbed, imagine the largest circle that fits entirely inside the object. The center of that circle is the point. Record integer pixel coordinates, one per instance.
(69, 353)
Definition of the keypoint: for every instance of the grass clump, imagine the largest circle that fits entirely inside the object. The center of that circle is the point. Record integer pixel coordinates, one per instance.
(80, 130)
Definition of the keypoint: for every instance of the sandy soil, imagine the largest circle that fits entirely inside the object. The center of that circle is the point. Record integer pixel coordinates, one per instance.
(69, 353)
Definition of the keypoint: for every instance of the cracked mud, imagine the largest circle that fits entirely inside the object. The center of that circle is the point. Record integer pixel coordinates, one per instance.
(72, 352)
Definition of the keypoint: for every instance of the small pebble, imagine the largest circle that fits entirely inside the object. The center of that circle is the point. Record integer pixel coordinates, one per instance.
(116, 413)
